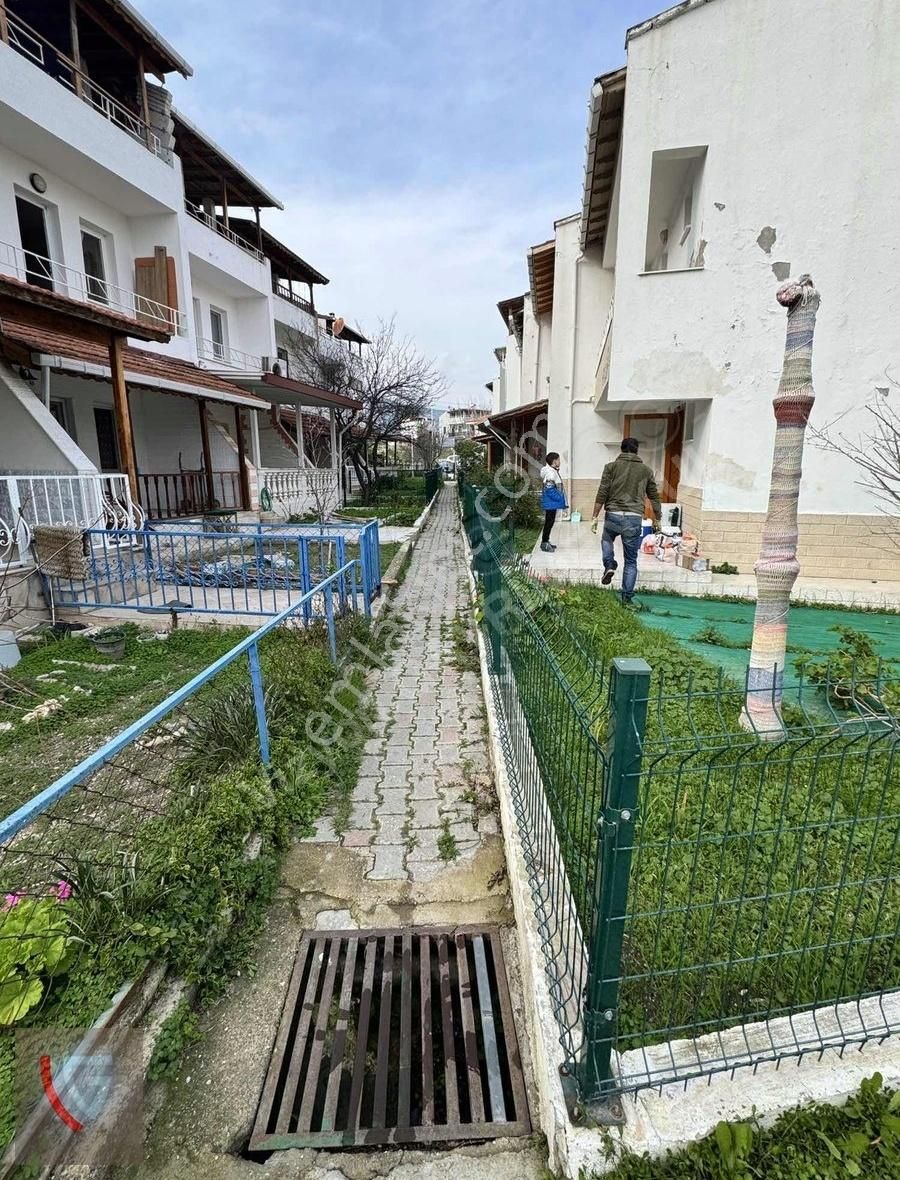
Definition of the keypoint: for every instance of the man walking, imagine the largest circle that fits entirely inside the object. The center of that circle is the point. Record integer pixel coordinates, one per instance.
(624, 485)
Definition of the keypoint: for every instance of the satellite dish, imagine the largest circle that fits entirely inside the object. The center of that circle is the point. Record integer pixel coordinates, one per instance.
(337, 327)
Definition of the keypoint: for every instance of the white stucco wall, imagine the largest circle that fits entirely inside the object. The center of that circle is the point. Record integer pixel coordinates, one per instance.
(31, 438)
(531, 348)
(250, 327)
(800, 117)
(513, 370)
(582, 290)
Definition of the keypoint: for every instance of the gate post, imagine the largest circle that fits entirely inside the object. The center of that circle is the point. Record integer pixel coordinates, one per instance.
(628, 695)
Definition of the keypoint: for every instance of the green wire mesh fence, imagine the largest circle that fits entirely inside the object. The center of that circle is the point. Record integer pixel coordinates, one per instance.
(706, 900)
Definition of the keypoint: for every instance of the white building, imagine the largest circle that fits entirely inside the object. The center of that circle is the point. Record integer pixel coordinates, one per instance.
(706, 186)
(460, 422)
(113, 202)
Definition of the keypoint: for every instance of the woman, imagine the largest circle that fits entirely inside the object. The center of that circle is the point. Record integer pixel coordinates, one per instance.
(552, 498)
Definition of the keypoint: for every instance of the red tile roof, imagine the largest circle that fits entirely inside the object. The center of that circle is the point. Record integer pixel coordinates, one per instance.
(141, 366)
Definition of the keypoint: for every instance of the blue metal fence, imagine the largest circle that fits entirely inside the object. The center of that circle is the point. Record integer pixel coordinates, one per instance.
(320, 602)
(250, 570)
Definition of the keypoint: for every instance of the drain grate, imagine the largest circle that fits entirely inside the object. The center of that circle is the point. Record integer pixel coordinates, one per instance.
(394, 1036)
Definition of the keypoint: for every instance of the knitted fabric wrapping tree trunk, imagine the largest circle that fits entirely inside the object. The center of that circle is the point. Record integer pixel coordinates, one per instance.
(777, 567)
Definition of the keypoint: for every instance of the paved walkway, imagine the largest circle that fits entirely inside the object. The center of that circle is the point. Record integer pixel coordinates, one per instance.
(413, 806)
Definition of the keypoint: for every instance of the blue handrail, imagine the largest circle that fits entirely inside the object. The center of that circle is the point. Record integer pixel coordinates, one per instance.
(29, 811)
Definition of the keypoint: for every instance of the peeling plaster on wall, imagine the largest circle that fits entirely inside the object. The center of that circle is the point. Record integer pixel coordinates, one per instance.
(781, 270)
(719, 205)
(724, 470)
(766, 239)
(701, 253)
(663, 373)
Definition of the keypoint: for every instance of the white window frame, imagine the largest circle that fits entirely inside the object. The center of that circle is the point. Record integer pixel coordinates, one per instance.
(54, 235)
(219, 350)
(107, 254)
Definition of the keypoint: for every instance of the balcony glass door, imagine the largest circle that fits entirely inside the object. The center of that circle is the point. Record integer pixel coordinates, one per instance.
(94, 267)
(35, 243)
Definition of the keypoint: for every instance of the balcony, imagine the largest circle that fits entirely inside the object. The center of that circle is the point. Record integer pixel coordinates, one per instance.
(38, 50)
(65, 280)
(284, 291)
(213, 223)
(226, 356)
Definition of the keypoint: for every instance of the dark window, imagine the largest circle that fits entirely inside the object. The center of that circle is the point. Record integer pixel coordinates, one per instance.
(61, 409)
(92, 252)
(283, 362)
(35, 245)
(107, 445)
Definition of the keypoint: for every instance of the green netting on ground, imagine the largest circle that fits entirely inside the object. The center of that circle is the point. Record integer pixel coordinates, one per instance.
(809, 628)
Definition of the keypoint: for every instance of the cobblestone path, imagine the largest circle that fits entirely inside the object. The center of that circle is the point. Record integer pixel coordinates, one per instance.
(414, 802)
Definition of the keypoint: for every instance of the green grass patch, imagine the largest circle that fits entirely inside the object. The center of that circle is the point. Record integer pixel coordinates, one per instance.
(98, 703)
(860, 1139)
(764, 876)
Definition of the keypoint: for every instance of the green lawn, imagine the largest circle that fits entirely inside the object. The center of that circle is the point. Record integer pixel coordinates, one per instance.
(764, 876)
(98, 702)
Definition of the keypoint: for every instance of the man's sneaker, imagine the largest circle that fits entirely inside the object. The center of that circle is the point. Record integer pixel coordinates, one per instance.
(546, 547)
(607, 576)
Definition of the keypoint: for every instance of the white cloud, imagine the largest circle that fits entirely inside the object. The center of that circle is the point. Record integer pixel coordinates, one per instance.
(439, 259)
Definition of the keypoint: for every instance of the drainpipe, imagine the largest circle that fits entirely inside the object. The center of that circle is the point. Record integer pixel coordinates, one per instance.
(254, 439)
(572, 399)
(340, 451)
(45, 385)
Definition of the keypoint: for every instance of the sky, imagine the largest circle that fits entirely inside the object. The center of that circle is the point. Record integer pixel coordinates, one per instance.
(419, 148)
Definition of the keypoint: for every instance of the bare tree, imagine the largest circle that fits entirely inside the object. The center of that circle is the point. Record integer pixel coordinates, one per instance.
(876, 453)
(392, 379)
(427, 446)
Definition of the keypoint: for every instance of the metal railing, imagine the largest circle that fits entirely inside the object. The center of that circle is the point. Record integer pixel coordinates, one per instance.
(28, 42)
(211, 221)
(85, 501)
(170, 494)
(212, 568)
(76, 284)
(706, 899)
(224, 354)
(92, 853)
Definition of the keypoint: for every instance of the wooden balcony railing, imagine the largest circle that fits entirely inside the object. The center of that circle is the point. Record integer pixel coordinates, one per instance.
(169, 494)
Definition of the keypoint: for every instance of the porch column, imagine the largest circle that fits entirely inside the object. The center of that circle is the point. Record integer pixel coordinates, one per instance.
(301, 445)
(242, 459)
(207, 458)
(76, 51)
(123, 413)
(258, 229)
(334, 445)
(225, 204)
(254, 439)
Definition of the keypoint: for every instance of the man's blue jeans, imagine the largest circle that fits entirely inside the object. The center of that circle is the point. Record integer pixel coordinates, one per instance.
(620, 524)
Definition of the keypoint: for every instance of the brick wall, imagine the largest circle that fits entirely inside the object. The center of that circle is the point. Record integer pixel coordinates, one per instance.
(829, 545)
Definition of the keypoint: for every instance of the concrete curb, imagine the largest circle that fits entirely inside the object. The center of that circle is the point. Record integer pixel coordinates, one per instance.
(668, 1118)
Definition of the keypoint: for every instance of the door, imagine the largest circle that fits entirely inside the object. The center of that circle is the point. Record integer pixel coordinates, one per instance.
(35, 243)
(94, 266)
(107, 443)
(660, 437)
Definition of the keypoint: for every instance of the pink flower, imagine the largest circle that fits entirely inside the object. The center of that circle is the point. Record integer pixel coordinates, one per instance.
(64, 891)
(11, 900)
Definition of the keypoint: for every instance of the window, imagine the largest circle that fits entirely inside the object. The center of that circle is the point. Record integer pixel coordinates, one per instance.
(107, 443)
(94, 266)
(61, 409)
(283, 362)
(35, 239)
(674, 240)
(218, 332)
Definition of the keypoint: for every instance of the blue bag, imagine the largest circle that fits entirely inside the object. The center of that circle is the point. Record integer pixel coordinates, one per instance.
(553, 497)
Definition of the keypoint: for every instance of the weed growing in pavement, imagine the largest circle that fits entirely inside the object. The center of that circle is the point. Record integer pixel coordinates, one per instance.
(446, 845)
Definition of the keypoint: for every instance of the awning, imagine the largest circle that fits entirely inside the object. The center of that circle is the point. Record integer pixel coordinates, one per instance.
(526, 411)
(206, 166)
(607, 110)
(285, 263)
(21, 302)
(288, 392)
(158, 53)
(146, 370)
(541, 269)
(346, 333)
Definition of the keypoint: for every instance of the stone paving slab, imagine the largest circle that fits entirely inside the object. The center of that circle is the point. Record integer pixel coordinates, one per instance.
(412, 773)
